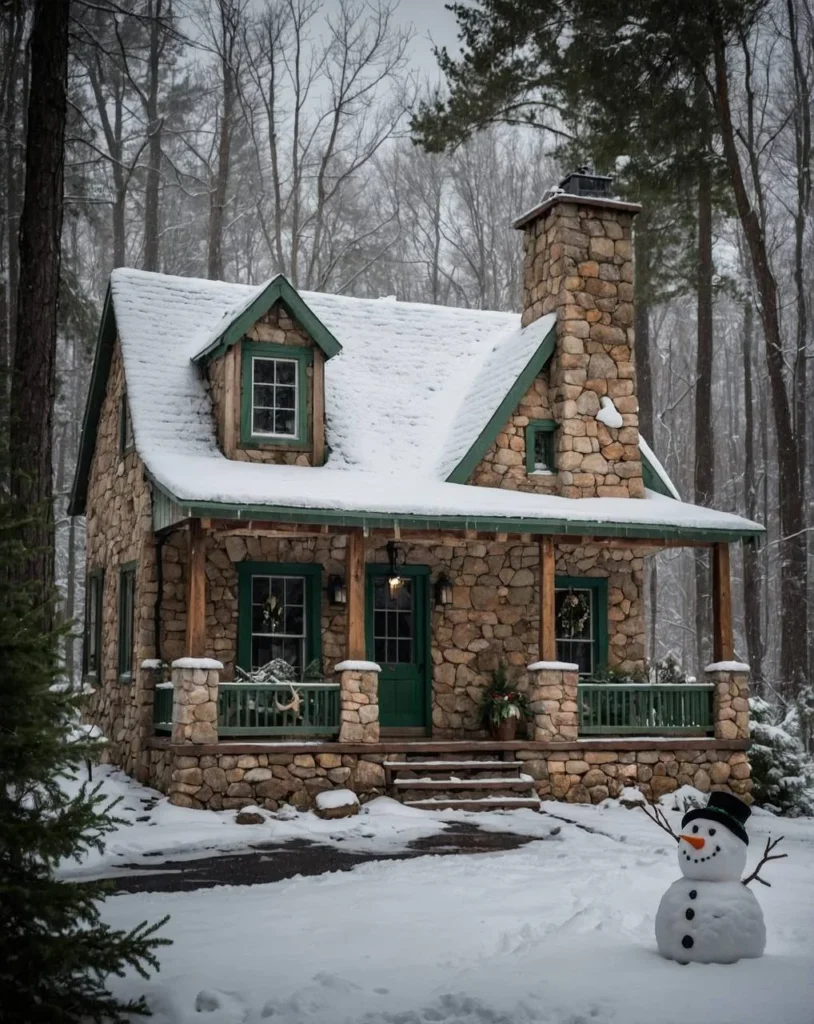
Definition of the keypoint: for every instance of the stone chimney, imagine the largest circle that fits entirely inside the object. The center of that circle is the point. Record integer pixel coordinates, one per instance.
(579, 263)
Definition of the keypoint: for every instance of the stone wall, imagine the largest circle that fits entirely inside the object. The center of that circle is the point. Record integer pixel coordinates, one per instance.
(504, 464)
(119, 531)
(586, 773)
(225, 376)
(579, 264)
(494, 615)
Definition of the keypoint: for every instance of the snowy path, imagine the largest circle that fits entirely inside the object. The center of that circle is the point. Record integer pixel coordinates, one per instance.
(558, 932)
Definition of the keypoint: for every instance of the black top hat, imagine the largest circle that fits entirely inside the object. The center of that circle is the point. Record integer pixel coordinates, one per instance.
(726, 809)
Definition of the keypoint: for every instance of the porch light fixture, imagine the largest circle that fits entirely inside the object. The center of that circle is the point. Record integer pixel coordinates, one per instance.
(396, 557)
(337, 591)
(443, 589)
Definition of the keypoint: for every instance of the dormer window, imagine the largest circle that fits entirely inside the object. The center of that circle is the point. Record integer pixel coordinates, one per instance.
(540, 446)
(274, 401)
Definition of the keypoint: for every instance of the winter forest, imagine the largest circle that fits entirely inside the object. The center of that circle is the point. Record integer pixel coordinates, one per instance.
(234, 139)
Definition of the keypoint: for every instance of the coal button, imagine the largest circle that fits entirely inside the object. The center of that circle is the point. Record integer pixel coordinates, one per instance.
(687, 942)
(689, 914)
(693, 893)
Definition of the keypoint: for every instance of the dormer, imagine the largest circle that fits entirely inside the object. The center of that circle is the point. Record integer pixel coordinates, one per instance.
(265, 364)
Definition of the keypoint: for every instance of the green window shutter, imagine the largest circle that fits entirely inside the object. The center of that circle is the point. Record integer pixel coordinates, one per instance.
(540, 446)
(311, 577)
(271, 394)
(573, 645)
(92, 645)
(127, 602)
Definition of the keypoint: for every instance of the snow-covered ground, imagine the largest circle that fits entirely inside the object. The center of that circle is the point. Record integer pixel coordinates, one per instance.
(557, 932)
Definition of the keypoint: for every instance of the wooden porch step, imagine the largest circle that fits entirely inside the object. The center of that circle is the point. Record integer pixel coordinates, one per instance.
(489, 803)
(514, 785)
(449, 765)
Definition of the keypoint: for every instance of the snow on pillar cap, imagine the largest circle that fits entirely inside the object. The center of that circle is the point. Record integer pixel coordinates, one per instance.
(727, 666)
(204, 663)
(357, 666)
(553, 666)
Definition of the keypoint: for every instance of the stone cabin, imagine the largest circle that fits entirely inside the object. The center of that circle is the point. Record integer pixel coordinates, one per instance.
(394, 499)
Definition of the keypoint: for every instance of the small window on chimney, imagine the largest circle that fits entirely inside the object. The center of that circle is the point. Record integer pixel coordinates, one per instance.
(540, 446)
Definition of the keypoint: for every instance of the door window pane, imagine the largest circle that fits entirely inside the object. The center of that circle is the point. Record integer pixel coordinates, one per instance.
(575, 628)
(393, 622)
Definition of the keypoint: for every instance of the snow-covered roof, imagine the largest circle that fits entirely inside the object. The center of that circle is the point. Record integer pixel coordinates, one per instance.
(407, 397)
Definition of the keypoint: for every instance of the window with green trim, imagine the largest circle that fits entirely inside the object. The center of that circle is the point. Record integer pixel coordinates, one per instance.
(278, 614)
(126, 441)
(274, 395)
(127, 603)
(92, 647)
(540, 446)
(581, 627)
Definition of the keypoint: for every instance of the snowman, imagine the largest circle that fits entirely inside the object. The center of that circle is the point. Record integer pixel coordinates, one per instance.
(709, 915)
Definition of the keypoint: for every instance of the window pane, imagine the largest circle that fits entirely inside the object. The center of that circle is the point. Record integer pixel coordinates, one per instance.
(380, 650)
(574, 618)
(263, 371)
(285, 397)
(284, 423)
(278, 622)
(577, 653)
(295, 590)
(542, 449)
(263, 421)
(294, 620)
(286, 371)
(405, 651)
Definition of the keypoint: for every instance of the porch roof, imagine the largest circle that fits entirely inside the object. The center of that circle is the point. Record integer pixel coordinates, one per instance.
(213, 486)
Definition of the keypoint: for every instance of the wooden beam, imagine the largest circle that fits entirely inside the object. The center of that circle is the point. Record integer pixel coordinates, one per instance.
(723, 645)
(355, 572)
(548, 567)
(231, 402)
(318, 407)
(195, 640)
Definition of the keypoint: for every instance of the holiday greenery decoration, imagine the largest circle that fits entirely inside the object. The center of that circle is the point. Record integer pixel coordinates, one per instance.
(55, 951)
(502, 701)
(574, 614)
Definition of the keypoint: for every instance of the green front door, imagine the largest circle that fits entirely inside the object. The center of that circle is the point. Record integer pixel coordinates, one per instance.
(397, 639)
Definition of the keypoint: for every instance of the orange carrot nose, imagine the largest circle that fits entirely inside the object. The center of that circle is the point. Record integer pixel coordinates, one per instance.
(695, 841)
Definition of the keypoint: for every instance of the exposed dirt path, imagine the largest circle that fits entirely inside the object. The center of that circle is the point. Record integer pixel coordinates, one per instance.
(272, 862)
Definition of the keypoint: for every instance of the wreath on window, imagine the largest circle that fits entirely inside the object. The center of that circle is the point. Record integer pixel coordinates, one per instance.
(574, 613)
(272, 614)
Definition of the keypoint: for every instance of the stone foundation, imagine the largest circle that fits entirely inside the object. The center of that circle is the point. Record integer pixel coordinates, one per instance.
(232, 776)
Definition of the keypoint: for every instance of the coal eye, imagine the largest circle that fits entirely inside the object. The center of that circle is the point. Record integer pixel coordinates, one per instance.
(712, 831)
(695, 828)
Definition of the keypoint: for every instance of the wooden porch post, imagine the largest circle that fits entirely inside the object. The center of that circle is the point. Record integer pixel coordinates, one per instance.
(548, 643)
(723, 646)
(195, 641)
(356, 597)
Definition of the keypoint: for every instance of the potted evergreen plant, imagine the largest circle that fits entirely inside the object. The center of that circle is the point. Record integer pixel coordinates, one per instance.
(503, 706)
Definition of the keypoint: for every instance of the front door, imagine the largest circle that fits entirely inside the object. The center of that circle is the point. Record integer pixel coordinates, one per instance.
(397, 639)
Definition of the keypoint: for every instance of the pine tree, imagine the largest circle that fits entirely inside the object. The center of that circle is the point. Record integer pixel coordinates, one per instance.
(782, 774)
(55, 951)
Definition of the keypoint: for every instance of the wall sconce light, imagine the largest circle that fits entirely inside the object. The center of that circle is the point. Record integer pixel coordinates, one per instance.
(396, 557)
(337, 591)
(443, 589)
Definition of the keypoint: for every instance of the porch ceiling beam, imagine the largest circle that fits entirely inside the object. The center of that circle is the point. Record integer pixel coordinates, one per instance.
(548, 642)
(195, 638)
(355, 583)
(723, 644)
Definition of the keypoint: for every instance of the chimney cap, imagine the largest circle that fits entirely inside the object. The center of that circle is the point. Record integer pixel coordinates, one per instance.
(585, 182)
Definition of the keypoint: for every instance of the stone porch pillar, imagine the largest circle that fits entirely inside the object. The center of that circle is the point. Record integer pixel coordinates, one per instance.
(359, 701)
(195, 700)
(553, 698)
(731, 699)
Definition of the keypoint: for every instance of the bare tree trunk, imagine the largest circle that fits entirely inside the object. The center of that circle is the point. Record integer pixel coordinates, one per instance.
(704, 471)
(751, 566)
(154, 124)
(229, 14)
(32, 397)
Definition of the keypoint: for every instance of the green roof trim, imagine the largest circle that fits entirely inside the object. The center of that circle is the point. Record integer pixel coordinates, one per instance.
(105, 342)
(481, 444)
(652, 480)
(277, 290)
(487, 524)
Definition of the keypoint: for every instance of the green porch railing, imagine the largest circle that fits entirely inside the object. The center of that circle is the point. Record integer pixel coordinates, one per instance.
(251, 708)
(162, 708)
(627, 709)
